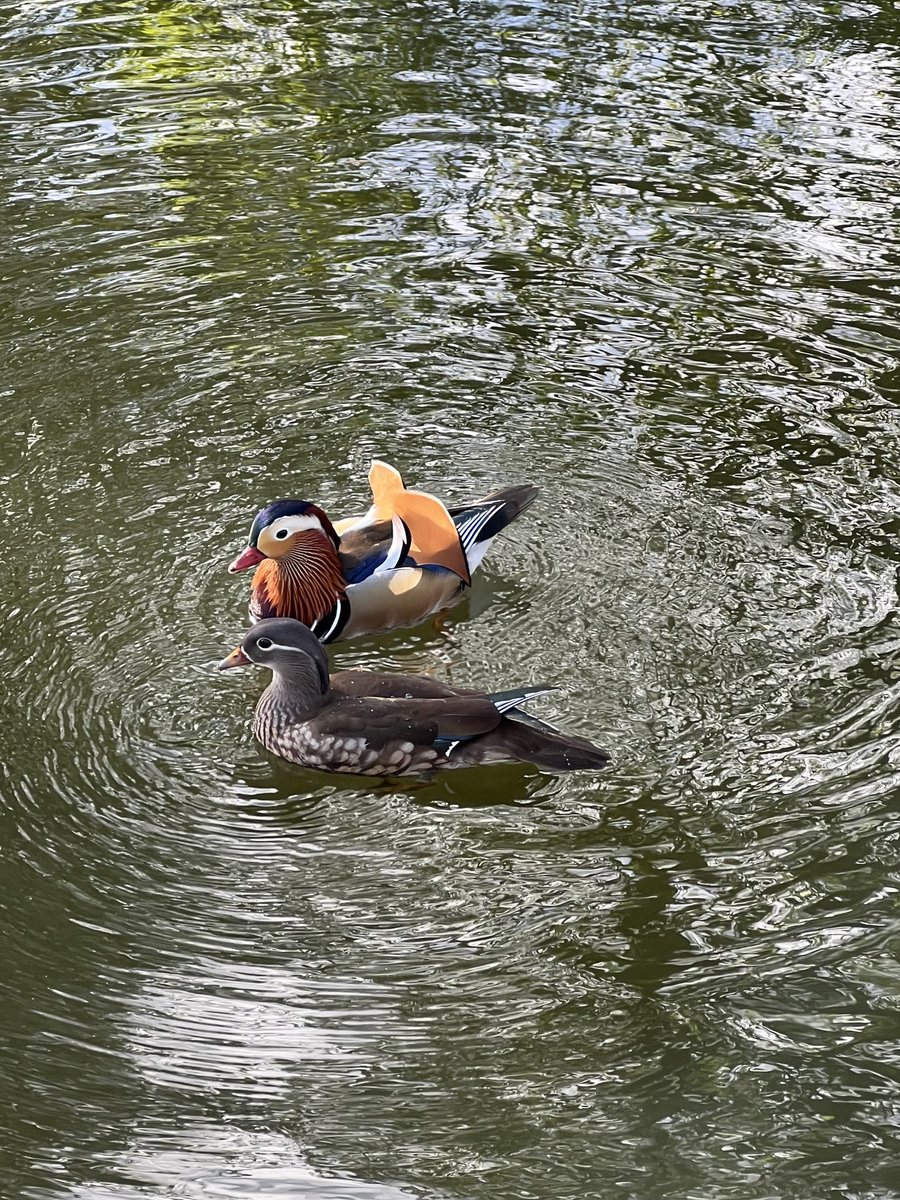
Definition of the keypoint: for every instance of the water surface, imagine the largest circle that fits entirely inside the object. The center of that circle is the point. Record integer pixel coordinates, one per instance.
(641, 254)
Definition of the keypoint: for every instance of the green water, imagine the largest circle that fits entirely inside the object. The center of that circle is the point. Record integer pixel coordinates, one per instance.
(643, 254)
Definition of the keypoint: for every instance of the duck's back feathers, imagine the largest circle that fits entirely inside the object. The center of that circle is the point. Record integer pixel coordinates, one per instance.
(385, 720)
(395, 687)
(514, 500)
(438, 537)
(435, 540)
(506, 701)
(371, 549)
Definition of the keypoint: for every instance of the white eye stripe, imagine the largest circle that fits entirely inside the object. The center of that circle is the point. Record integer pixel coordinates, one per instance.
(296, 524)
(278, 646)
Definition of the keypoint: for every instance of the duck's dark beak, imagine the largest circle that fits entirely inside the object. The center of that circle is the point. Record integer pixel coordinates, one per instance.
(237, 658)
(247, 558)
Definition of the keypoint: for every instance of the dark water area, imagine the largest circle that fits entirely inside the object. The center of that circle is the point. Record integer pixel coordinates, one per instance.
(642, 254)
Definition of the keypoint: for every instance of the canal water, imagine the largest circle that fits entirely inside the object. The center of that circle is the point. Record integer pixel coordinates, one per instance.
(640, 253)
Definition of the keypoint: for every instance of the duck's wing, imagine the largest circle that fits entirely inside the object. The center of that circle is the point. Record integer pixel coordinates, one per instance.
(479, 523)
(509, 701)
(402, 734)
(384, 723)
(374, 549)
(525, 741)
(434, 538)
(455, 539)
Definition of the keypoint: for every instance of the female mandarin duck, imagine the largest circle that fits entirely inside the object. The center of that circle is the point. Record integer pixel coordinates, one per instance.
(405, 559)
(368, 723)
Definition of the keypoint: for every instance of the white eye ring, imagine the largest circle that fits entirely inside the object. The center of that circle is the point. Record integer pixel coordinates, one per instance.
(264, 643)
(281, 534)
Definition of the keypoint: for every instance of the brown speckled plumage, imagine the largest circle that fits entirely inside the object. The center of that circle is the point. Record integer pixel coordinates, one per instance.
(370, 723)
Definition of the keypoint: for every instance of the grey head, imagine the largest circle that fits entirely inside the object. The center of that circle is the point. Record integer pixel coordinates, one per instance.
(288, 649)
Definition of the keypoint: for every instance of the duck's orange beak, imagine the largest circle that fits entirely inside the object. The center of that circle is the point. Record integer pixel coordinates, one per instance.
(250, 557)
(237, 658)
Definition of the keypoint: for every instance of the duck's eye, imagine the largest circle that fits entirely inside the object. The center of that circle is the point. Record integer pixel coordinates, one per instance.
(281, 534)
(264, 643)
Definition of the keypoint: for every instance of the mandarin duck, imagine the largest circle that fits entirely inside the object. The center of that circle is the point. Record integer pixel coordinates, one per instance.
(406, 558)
(369, 723)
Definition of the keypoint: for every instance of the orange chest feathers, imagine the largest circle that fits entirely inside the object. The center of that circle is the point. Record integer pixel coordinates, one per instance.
(303, 586)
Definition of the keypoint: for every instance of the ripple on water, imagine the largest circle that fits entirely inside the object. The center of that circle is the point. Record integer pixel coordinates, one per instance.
(228, 1163)
(635, 255)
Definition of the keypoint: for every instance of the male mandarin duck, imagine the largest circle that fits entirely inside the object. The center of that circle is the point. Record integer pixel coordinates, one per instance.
(368, 723)
(406, 558)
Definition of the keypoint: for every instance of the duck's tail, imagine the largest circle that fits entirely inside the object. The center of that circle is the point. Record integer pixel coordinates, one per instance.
(479, 523)
(534, 742)
(520, 737)
(531, 741)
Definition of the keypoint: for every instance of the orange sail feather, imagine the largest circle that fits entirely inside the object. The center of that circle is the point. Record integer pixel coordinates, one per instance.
(435, 538)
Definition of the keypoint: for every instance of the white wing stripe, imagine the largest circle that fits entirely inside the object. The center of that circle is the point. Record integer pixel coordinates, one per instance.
(472, 526)
(503, 706)
(399, 548)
